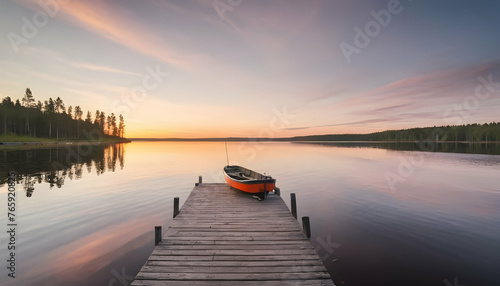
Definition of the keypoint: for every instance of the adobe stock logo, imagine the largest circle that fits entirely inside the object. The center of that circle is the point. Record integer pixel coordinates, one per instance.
(31, 27)
(139, 93)
(221, 7)
(372, 29)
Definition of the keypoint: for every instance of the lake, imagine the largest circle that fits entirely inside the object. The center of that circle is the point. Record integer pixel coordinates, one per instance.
(379, 216)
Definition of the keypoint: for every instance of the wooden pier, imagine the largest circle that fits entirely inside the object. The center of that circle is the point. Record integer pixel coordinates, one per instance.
(222, 236)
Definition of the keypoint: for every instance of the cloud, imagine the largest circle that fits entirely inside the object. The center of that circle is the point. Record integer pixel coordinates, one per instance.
(449, 83)
(402, 117)
(414, 101)
(350, 123)
(62, 80)
(398, 106)
(88, 95)
(296, 128)
(121, 27)
(437, 88)
(44, 53)
(102, 68)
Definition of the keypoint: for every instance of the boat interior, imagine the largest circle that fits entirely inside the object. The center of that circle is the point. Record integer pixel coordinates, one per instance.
(243, 174)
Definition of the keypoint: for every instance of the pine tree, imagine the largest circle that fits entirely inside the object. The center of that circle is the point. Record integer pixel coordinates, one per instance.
(109, 124)
(70, 112)
(59, 105)
(114, 129)
(102, 121)
(28, 101)
(78, 118)
(49, 111)
(89, 117)
(121, 127)
(96, 118)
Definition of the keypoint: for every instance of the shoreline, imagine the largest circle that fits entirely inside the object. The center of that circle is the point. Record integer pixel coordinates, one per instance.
(48, 144)
(416, 142)
(279, 140)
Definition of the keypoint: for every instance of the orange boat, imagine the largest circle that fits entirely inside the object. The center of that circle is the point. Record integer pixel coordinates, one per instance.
(247, 180)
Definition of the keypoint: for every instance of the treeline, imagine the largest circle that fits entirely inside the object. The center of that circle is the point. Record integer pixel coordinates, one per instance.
(51, 119)
(471, 133)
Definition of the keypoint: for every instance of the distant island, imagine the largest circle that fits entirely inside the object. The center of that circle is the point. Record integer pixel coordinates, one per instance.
(50, 122)
(487, 132)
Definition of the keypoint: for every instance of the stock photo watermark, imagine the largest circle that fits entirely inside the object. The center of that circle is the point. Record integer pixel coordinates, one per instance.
(11, 224)
(279, 121)
(455, 282)
(406, 168)
(458, 112)
(30, 27)
(327, 247)
(92, 137)
(139, 93)
(121, 277)
(222, 7)
(363, 37)
(455, 115)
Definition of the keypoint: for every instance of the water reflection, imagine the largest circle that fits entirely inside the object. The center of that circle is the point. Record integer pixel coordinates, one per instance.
(455, 147)
(442, 221)
(53, 165)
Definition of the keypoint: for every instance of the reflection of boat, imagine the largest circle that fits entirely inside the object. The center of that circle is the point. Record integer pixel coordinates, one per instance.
(247, 180)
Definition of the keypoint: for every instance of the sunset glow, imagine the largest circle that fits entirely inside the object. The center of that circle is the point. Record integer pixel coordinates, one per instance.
(194, 69)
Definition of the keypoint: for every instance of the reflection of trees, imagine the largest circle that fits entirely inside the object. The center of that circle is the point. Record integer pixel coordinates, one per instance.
(121, 155)
(427, 146)
(54, 178)
(29, 183)
(53, 165)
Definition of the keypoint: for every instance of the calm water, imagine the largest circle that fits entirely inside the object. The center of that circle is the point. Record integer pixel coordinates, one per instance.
(379, 216)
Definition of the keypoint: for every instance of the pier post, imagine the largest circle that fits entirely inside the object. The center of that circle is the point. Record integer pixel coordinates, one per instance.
(277, 191)
(293, 205)
(176, 206)
(306, 227)
(199, 181)
(157, 234)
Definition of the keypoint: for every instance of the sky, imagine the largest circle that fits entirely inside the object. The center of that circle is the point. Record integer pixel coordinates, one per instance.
(248, 68)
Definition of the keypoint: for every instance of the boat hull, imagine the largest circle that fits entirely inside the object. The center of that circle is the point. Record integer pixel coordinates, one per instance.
(247, 180)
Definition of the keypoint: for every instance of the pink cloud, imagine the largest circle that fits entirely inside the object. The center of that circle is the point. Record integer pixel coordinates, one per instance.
(120, 27)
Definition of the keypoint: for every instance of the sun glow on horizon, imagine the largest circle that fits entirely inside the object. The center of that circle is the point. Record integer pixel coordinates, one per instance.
(181, 70)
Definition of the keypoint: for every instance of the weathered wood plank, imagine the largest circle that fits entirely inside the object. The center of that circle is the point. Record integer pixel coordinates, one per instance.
(233, 252)
(233, 258)
(234, 246)
(236, 228)
(222, 234)
(242, 238)
(316, 282)
(232, 269)
(231, 276)
(277, 263)
(170, 241)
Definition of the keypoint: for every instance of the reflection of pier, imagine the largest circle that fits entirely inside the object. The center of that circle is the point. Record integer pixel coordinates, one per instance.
(222, 236)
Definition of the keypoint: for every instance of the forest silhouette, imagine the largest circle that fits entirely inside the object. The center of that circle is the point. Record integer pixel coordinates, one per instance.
(51, 119)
